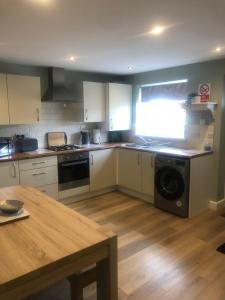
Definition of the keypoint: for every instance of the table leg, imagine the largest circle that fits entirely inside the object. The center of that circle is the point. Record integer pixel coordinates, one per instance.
(76, 287)
(107, 274)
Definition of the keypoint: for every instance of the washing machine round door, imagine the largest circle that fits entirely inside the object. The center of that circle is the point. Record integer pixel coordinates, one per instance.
(169, 183)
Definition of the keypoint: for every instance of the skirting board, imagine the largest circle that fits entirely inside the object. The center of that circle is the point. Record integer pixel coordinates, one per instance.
(214, 205)
(88, 195)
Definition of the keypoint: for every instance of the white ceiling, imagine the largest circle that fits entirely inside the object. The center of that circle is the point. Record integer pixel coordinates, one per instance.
(109, 35)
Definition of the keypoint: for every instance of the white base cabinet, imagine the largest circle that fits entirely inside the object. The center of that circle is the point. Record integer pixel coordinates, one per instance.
(147, 173)
(41, 173)
(102, 169)
(136, 171)
(9, 173)
(50, 190)
(129, 169)
(39, 177)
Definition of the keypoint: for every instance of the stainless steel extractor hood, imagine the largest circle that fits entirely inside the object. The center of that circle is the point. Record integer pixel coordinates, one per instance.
(57, 90)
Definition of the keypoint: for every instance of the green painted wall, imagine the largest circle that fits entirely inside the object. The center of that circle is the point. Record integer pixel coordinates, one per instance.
(70, 76)
(212, 72)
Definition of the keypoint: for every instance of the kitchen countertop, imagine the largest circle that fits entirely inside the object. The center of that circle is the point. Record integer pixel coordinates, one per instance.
(172, 151)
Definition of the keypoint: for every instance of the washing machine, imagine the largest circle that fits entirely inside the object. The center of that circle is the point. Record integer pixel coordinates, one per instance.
(172, 177)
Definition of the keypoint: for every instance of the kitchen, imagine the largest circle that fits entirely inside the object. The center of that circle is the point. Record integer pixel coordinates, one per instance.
(93, 138)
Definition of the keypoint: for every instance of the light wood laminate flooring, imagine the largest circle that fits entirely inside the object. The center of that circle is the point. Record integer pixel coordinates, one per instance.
(161, 256)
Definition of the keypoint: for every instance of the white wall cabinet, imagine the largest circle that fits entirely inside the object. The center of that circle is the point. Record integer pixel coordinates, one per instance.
(94, 97)
(148, 173)
(119, 106)
(24, 99)
(102, 169)
(9, 173)
(129, 169)
(4, 106)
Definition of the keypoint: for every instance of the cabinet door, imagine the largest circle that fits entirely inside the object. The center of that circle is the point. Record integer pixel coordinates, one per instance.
(9, 174)
(50, 190)
(102, 169)
(94, 101)
(24, 99)
(148, 169)
(119, 106)
(129, 169)
(4, 106)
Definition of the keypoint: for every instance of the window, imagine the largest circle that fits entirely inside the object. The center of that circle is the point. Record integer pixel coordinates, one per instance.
(159, 110)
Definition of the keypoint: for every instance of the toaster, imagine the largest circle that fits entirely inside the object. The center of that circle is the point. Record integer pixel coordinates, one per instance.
(25, 144)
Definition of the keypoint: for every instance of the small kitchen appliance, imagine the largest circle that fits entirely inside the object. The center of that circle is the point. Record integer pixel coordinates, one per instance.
(24, 144)
(5, 146)
(96, 136)
(85, 137)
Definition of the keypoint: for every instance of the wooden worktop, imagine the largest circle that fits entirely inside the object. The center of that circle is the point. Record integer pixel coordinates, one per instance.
(54, 236)
(162, 150)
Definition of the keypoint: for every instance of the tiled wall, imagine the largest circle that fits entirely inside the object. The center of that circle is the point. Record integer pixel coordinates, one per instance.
(55, 117)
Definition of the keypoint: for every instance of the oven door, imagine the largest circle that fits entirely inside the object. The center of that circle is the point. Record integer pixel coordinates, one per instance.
(73, 174)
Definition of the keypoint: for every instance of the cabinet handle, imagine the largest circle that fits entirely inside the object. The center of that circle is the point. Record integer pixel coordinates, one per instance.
(38, 163)
(38, 114)
(111, 123)
(92, 160)
(138, 159)
(42, 173)
(86, 114)
(14, 170)
(152, 162)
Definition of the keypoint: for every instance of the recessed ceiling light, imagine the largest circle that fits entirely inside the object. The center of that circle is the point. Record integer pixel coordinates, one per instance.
(72, 58)
(130, 68)
(157, 30)
(218, 49)
(42, 2)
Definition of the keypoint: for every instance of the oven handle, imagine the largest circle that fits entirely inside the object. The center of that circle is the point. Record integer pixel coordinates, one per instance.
(75, 163)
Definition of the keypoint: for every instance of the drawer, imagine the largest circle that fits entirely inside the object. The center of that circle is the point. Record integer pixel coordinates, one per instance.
(36, 163)
(50, 190)
(39, 177)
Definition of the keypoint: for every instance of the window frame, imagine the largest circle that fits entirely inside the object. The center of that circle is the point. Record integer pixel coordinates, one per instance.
(138, 99)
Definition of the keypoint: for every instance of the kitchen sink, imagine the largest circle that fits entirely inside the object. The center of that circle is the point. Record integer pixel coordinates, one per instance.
(134, 145)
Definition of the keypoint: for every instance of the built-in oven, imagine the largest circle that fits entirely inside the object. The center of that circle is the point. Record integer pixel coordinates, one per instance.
(73, 170)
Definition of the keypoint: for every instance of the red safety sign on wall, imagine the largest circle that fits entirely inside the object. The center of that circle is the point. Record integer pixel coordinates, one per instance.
(204, 90)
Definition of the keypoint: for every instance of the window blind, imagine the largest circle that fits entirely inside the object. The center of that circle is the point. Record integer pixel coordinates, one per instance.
(167, 91)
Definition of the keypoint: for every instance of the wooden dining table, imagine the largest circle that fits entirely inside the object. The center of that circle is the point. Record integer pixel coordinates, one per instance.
(52, 244)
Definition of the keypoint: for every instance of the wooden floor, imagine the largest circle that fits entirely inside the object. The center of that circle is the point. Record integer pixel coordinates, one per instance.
(161, 256)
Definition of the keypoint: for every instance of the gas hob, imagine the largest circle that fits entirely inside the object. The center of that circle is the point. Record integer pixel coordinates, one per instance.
(64, 147)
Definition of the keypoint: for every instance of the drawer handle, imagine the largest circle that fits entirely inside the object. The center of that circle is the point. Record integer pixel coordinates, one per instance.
(38, 115)
(38, 163)
(42, 173)
(86, 114)
(14, 170)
